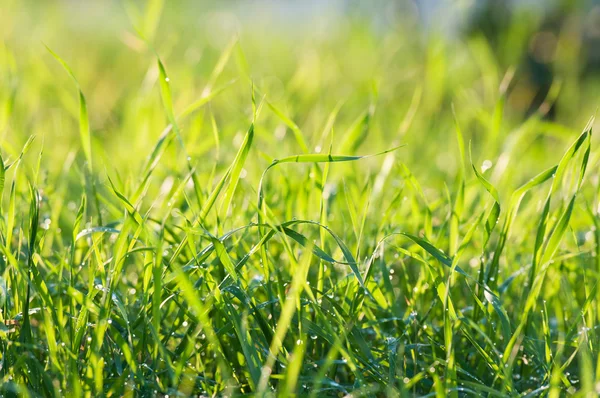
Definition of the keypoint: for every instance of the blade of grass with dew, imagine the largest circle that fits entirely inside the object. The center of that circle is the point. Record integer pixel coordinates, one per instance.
(494, 214)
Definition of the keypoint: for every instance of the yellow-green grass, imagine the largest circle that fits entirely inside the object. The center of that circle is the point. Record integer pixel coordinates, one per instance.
(342, 211)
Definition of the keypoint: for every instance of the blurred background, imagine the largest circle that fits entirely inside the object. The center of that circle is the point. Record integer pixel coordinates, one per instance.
(394, 69)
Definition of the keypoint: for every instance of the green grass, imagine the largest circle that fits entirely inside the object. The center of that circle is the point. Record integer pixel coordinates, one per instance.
(368, 214)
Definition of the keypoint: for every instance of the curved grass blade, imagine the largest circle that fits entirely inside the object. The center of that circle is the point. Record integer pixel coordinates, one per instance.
(314, 158)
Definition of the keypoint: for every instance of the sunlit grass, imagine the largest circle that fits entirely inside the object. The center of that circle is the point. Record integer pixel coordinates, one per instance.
(231, 223)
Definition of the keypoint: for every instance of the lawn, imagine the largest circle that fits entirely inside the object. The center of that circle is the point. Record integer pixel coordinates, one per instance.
(297, 199)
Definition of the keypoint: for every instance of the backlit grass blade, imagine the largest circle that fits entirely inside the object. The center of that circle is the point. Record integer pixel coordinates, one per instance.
(292, 126)
(220, 65)
(487, 185)
(569, 154)
(165, 93)
(494, 213)
(554, 238)
(152, 17)
(315, 158)
(358, 131)
(248, 349)
(236, 170)
(221, 252)
(515, 202)
(203, 100)
(128, 206)
(284, 321)
(84, 124)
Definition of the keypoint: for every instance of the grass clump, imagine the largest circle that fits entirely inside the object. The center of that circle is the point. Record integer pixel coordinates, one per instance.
(312, 227)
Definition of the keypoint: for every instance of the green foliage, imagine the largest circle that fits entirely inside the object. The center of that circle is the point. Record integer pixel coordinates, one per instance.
(219, 248)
